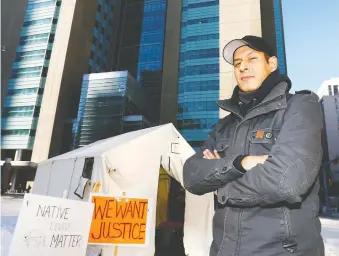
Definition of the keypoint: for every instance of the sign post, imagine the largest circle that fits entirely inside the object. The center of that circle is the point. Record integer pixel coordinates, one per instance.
(51, 226)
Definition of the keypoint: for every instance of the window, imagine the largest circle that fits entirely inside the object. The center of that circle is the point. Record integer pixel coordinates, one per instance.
(200, 21)
(15, 132)
(48, 54)
(87, 174)
(44, 72)
(36, 22)
(51, 38)
(335, 90)
(199, 5)
(200, 54)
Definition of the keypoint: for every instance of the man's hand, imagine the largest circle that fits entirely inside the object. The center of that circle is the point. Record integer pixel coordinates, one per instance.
(251, 161)
(211, 155)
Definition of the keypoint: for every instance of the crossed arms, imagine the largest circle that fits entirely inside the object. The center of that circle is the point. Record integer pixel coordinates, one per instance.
(289, 171)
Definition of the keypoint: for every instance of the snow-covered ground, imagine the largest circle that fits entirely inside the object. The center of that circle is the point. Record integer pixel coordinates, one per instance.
(330, 233)
(10, 208)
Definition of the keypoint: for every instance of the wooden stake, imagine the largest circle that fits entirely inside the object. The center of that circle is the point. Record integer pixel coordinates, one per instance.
(64, 194)
(116, 248)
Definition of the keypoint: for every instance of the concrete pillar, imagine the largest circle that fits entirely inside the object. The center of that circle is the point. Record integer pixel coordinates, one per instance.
(237, 19)
(169, 93)
(13, 180)
(18, 155)
(69, 61)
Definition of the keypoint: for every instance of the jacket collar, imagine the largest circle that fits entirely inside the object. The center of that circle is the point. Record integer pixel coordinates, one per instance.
(275, 99)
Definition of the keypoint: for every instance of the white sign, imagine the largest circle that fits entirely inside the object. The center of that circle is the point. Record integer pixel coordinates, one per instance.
(51, 226)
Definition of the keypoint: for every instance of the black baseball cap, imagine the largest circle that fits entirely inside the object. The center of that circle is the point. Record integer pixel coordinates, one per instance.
(254, 42)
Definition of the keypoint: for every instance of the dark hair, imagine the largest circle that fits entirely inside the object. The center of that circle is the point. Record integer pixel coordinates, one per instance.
(267, 57)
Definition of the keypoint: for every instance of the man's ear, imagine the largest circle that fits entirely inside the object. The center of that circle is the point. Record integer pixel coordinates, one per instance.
(273, 63)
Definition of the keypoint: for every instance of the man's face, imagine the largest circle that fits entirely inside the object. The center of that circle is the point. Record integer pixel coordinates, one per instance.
(251, 68)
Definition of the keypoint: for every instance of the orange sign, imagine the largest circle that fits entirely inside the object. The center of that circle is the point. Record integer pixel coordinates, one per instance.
(119, 221)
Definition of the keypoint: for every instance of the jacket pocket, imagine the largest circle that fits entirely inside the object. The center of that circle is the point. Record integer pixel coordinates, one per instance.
(262, 140)
(222, 145)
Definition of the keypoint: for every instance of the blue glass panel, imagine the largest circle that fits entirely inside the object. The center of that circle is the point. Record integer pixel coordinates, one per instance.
(199, 71)
(152, 41)
(279, 36)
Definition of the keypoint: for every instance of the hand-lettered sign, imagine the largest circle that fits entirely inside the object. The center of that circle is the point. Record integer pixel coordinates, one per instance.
(51, 226)
(119, 221)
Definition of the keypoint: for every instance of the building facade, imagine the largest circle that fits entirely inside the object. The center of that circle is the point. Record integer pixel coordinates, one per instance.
(106, 103)
(329, 87)
(27, 82)
(26, 87)
(39, 101)
(204, 78)
(102, 37)
(12, 19)
(139, 45)
(330, 106)
(329, 98)
(198, 86)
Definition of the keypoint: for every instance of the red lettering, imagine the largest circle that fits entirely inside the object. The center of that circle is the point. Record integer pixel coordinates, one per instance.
(119, 210)
(136, 224)
(100, 232)
(109, 208)
(98, 210)
(143, 208)
(142, 231)
(117, 229)
(129, 209)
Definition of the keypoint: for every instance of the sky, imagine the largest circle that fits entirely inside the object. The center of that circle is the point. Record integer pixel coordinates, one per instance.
(311, 29)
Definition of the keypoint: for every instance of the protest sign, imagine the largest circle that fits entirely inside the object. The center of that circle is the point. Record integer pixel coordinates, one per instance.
(51, 226)
(119, 221)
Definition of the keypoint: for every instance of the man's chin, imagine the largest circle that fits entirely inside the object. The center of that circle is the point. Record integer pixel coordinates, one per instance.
(248, 87)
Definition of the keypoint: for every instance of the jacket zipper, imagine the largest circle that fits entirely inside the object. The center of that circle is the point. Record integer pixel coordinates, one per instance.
(287, 223)
(237, 250)
(289, 243)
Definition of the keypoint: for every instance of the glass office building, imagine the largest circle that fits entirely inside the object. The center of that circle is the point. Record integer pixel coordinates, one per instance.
(198, 87)
(26, 84)
(279, 31)
(106, 101)
(102, 36)
(152, 37)
(139, 44)
(150, 61)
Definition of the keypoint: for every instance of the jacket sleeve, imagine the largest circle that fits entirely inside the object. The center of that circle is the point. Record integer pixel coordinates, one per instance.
(203, 176)
(293, 163)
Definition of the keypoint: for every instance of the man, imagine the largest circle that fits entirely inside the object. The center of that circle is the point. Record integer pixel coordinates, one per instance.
(263, 159)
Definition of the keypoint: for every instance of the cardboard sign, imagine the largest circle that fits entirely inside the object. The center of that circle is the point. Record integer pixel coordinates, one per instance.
(51, 226)
(119, 221)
